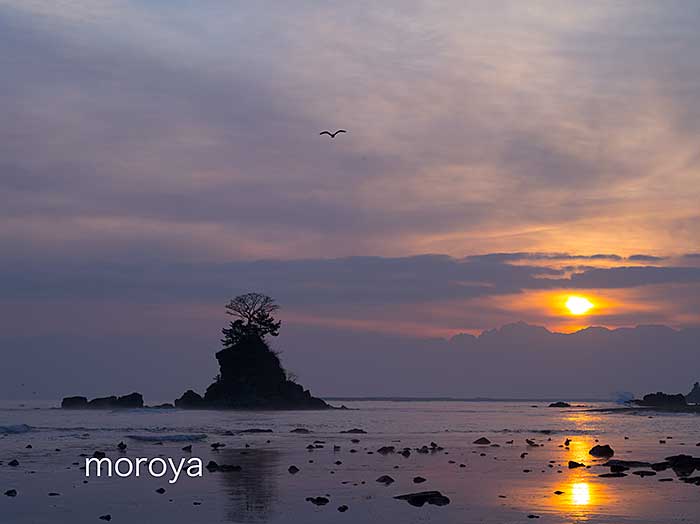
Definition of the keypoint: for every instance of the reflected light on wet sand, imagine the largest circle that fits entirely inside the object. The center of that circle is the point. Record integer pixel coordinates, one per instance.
(580, 494)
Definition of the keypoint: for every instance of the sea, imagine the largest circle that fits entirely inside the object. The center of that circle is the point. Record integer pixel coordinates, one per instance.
(522, 475)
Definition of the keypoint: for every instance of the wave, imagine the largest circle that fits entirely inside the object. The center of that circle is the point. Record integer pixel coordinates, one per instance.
(15, 429)
(168, 438)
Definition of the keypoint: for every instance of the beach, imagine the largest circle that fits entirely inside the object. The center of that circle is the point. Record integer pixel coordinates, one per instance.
(484, 483)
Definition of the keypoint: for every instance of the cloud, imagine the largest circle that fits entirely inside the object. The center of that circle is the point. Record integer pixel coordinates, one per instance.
(203, 143)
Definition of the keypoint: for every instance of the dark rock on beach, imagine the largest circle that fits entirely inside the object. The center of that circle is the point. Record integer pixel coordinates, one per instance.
(190, 400)
(355, 431)
(74, 402)
(425, 497)
(318, 501)
(601, 451)
(385, 479)
(694, 396)
(130, 401)
(660, 399)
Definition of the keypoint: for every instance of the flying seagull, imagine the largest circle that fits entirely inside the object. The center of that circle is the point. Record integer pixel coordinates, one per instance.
(332, 135)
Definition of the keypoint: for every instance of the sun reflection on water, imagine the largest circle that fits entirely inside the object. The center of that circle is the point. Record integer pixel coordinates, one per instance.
(580, 494)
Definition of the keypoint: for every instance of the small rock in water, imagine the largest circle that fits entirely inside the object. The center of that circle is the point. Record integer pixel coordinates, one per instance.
(385, 479)
(356, 431)
(644, 473)
(54, 494)
(160, 491)
(560, 405)
(216, 445)
(612, 475)
(318, 501)
(11, 493)
(14, 463)
(293, 470)
(106, 517)
(300, 430)
(533, 516)
(99, 454)
(188, 448)
(342, 508)
(418, 480)
(425, 497)
(558, 492)
(121, 446)
(28, 446)
(601, 451)
(483, 441)
(573, 465)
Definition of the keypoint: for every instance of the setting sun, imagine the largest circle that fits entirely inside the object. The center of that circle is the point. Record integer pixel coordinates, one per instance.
(578, 305)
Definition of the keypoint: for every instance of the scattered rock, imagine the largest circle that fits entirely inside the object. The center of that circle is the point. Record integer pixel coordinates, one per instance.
(293, 470)
(418, 480)
(318, 501)
(421, 498)
(14, 463)
(558, 492)
(560, 405)
(601, 451)
(99, 454)
(612, 475)
(303, 431)
(483, 441)
(121, 446)
(54, 494)
(386, 450)
(188, 448)
(11, 493)
(573, 465)
(385, 479)
(644, 473)
(355, 431)
(160, 491)
(190, 400)
(106, 517)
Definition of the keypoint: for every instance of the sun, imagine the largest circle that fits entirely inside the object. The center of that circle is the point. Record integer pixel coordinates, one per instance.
(578, 305)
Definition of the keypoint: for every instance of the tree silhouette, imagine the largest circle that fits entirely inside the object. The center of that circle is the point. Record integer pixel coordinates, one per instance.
(254, 320)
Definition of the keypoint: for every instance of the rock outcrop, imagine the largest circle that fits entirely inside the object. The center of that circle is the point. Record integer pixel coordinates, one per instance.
(660, 399)
(190, 400)
(251, 377)
(130, 401)
(694, 396)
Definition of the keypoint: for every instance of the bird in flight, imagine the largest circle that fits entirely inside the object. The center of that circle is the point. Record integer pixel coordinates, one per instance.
(332, 135)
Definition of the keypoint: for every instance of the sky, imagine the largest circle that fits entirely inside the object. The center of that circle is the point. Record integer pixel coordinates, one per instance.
(157, 158)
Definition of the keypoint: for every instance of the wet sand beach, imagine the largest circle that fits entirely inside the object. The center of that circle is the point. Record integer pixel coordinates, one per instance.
(522, 475)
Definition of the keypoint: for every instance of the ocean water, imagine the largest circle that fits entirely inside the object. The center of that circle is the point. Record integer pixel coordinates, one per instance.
(494, 485)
